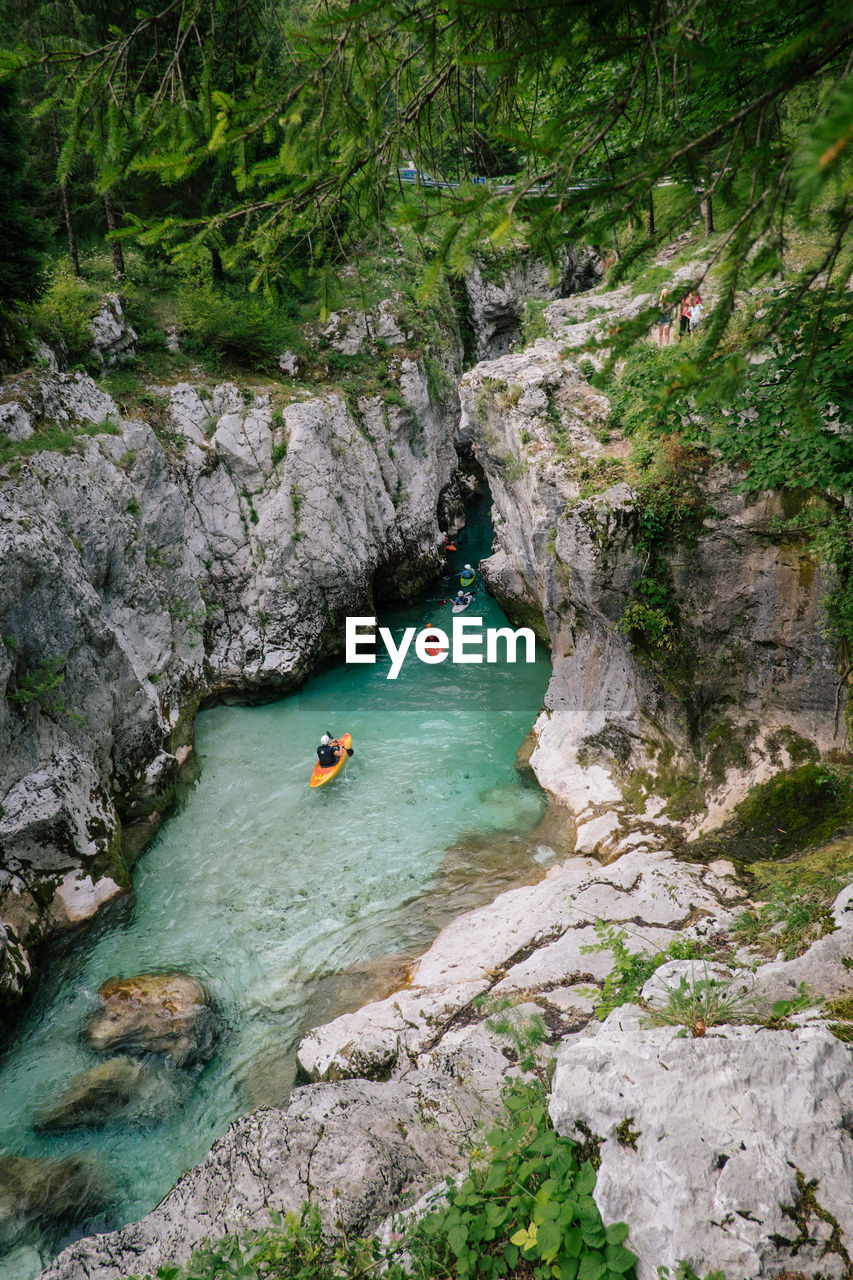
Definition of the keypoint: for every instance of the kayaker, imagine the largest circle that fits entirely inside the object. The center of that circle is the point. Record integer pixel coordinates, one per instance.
(468, 572)
(328, 752)
(463, 597)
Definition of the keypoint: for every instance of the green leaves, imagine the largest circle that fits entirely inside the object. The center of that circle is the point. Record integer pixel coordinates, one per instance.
(531, 1204)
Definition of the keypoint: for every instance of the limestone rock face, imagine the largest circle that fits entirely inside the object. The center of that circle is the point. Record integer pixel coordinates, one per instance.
(538, 941)
(159, 1013)
(727, 1132)
(498, 292)
(353, 1147)
(113, 339)
(568, 561)
(350, 330)
(141, 572)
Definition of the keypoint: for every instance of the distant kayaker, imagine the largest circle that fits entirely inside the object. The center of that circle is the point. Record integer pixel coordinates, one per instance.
(328, 752)
(463, 597)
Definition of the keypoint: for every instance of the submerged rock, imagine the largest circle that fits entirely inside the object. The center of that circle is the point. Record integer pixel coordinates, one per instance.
(164, 1013)
(115, 1090)
(58, 1192)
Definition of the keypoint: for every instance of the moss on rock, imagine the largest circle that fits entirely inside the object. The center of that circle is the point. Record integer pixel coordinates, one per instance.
(795, 810)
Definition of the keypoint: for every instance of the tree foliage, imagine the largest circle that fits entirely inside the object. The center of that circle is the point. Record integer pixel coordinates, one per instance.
(22, 232)
(314, 109)
(283, 128)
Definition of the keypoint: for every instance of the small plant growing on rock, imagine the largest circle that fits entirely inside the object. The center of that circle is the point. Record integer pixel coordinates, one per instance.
(699, 1003)
(790, 922)
(523, 1034)
(632, 969)
(40, 685)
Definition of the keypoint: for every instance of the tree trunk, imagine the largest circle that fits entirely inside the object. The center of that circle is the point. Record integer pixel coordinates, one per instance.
(115, 245)
(707, 208)
(651, 226)
(217, 270)
(66, 203)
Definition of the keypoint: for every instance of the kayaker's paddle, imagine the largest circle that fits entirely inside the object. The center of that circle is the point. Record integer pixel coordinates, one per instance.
(349, 750)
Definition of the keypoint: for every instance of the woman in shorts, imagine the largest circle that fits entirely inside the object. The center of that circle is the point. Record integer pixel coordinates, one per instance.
(664, 321)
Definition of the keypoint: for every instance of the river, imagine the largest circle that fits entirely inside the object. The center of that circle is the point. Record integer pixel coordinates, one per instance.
(288, 902)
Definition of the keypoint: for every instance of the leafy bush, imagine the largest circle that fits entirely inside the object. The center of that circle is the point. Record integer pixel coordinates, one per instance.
(650, 621)
(40, 685)
(787, 438)
(224, 325)
(529, 1211)
(669, 513)
(62, 316)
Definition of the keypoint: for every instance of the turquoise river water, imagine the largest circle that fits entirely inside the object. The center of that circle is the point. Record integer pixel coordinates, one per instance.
(284, 900)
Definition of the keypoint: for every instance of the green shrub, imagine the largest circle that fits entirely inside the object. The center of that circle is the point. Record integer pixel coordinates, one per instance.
(638, 391)
(40, 685)
(649, 621)
(221, 324)
(527, 1211)
(62, 316)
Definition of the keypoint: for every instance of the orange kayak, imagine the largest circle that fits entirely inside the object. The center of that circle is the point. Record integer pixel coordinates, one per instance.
(321, 776)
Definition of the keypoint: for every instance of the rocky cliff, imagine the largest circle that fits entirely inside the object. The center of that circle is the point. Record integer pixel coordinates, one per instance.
(211, 550)
(644, 733)
(648, 737)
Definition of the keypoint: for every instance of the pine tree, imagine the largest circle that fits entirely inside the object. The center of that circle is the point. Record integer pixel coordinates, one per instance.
(23, 235)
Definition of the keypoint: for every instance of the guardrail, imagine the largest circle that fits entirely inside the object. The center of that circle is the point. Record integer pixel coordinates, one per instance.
(415, 177)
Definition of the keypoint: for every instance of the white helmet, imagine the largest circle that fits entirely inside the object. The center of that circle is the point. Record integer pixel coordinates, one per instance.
(324, 741)
(470, 568)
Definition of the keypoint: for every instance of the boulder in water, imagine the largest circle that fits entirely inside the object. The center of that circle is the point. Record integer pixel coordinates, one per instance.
(116, 1090)
(48, 1192)
(162, 1013)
